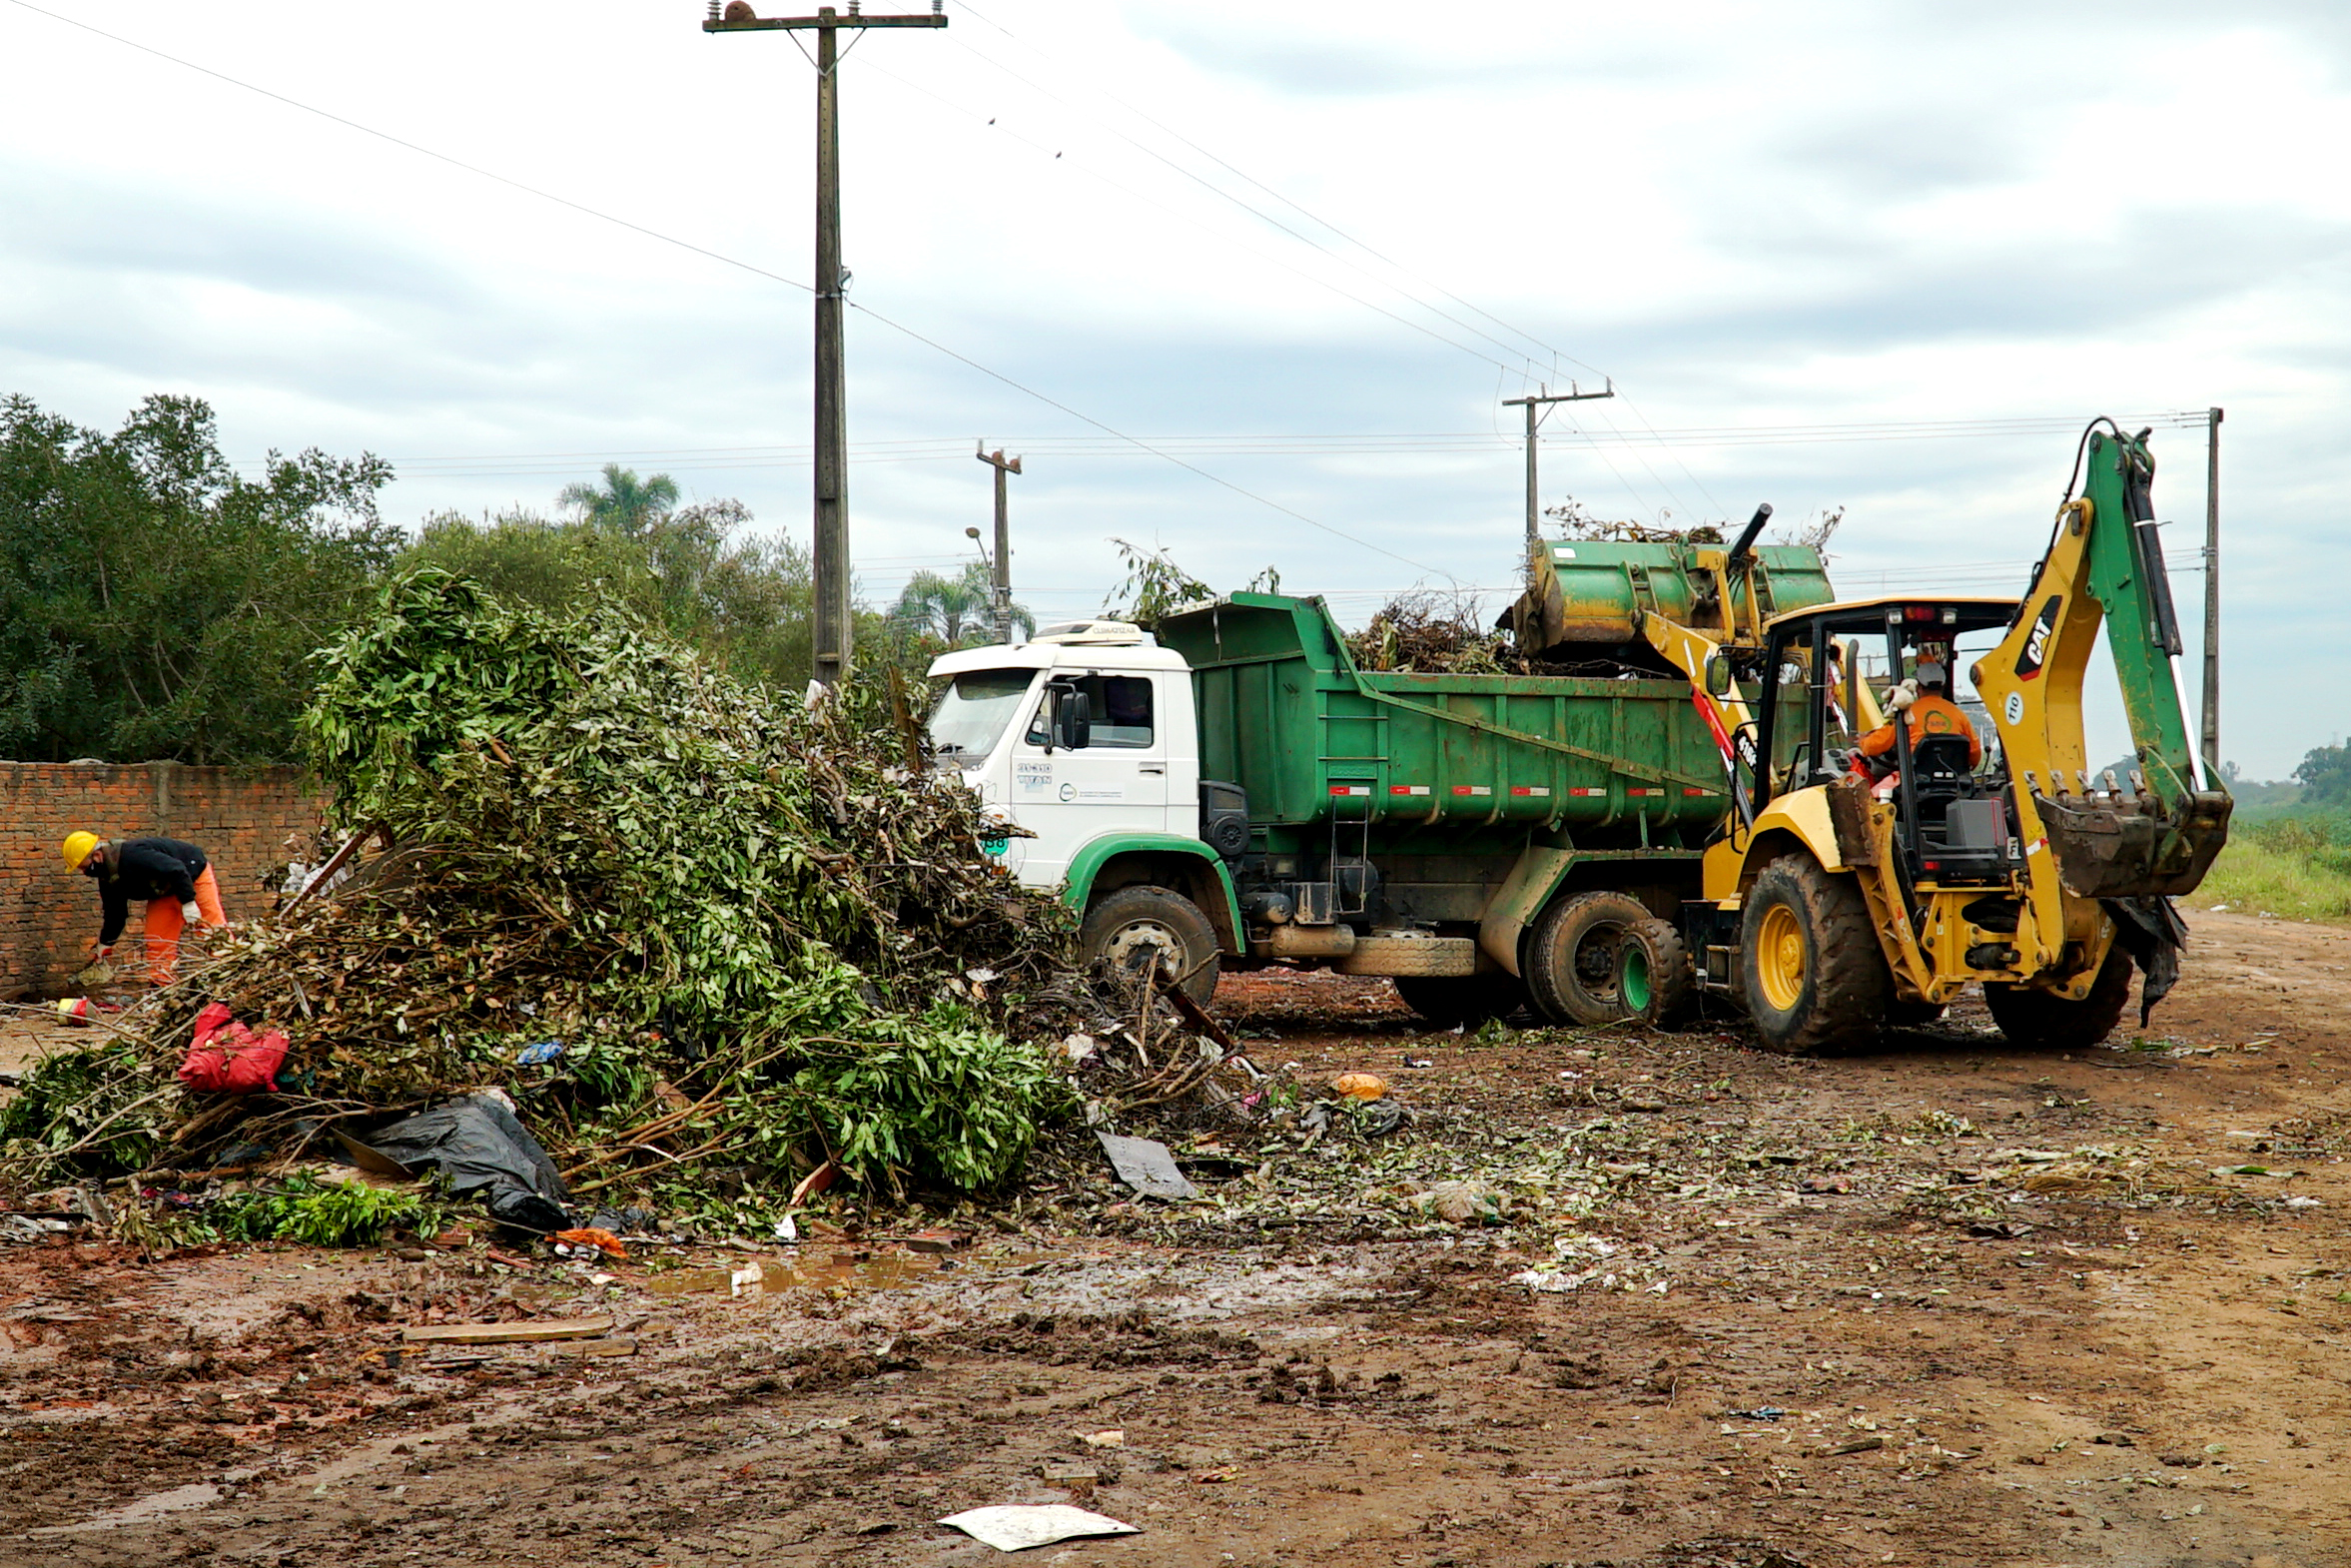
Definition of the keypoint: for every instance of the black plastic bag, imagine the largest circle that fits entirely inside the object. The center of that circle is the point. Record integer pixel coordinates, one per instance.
(477, 1143)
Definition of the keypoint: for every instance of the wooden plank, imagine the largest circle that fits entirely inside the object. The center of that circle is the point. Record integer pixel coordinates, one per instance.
(508, 1334)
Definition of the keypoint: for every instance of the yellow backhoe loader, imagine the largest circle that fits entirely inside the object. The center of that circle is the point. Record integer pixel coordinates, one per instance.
(1870, 866)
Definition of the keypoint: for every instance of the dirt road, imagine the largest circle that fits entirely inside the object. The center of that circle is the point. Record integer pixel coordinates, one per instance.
(1948, 1303)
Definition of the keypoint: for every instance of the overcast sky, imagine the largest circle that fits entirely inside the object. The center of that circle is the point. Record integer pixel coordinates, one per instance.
(1874, 256)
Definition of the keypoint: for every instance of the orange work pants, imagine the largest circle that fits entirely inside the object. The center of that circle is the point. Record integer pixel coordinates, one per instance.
(164, 923)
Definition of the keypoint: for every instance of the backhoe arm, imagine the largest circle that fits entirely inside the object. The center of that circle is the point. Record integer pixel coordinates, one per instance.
(2157, 830)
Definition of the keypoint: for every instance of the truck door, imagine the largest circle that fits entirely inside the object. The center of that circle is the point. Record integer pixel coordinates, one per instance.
(1117, 782)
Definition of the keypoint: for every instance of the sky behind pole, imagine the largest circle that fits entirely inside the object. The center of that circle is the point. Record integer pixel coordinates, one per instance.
(1887, 257)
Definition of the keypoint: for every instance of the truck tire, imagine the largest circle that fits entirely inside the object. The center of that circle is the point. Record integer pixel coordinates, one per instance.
(1654, 976)
(1447, 999)
(1570, 963)
(1126, 928)
(1809, 962)
(2034, 1018)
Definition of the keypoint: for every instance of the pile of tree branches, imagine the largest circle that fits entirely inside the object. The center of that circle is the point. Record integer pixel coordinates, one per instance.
(693, 934)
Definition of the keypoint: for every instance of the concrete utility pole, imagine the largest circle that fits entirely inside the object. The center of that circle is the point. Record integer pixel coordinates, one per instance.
(1004, 539)
(833, 626)
(1534, 421)
(2211, 595)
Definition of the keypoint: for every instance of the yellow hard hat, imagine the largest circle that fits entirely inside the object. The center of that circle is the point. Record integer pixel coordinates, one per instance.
(77, 849)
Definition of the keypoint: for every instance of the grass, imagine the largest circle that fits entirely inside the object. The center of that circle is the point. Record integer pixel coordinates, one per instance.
(2298, 868)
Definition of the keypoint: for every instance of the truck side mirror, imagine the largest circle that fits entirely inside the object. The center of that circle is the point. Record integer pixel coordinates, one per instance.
(1718, 675)
(1069, 717)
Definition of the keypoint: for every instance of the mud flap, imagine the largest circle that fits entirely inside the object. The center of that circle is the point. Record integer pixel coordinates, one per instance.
(2152, 933)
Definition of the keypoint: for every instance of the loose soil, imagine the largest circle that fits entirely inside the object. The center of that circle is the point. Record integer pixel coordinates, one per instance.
(1947, 1301)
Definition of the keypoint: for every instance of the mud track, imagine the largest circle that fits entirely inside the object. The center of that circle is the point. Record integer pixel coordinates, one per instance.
(1942, 1302)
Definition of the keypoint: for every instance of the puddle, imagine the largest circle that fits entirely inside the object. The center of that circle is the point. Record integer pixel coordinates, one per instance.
(892, 1272)
(146, 1508)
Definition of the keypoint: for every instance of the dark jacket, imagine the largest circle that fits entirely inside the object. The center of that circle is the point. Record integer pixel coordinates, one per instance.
(146, 868)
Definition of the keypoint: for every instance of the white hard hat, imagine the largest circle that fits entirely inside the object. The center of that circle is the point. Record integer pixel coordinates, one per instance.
(1931, 672)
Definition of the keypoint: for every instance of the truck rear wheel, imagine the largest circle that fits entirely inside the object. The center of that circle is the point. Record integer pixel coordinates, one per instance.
(1654, 976)
(1447, 999)
(1809, 959)
(1141, 925)
(2034, 1018)
(1570, 963)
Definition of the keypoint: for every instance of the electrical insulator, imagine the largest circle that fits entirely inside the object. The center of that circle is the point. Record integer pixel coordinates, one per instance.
(714, 10)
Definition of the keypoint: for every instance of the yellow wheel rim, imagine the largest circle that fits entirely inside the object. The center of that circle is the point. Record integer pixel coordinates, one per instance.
(1778, 957)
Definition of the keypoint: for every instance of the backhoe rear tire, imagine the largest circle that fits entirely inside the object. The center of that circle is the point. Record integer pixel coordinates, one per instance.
(1655, 978)
(1137, 925)
(2035, 1018)
(1809, 959)
(1447, 999)
(1570, 959)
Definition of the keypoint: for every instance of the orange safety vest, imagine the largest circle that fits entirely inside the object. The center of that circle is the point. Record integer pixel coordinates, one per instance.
(1929, 715)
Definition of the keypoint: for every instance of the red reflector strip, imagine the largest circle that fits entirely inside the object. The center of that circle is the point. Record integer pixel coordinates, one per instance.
(1471, 789)
(1587, 792)
(1407, 789)
(1644, 792)
(1696, 793)
(1530, 789)
(1350, 789)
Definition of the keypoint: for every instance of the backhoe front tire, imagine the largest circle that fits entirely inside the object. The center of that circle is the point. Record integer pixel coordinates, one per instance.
(1655, 979)
(1135, 926)
(1809, 959)
(1570, 961)
(1448, 1000)
(2035, 1018)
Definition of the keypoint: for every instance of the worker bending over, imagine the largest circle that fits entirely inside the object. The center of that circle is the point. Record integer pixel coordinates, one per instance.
(173, 876)
(1930, 713)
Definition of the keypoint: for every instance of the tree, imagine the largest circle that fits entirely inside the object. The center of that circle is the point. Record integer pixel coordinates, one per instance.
(2325, 775)
(953, 610)
(153, 604)
(624, 503)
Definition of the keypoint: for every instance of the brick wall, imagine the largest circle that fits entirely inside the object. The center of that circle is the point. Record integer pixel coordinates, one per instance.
(239, 817)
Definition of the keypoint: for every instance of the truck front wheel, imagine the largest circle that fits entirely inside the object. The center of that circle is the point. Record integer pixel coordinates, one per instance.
(1570, 963)
(1809, 959)
(1142, 924)
(2035, 1018)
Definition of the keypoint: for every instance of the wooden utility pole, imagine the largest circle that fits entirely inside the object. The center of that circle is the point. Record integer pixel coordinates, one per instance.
(1534, 421)
(833, 625)
(2211, 597)
(1004, 538)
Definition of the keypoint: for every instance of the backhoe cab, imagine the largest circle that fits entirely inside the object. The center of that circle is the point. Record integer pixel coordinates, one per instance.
(1849, 893)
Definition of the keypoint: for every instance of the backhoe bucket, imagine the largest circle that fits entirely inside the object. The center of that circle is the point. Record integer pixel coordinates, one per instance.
(2118, 846)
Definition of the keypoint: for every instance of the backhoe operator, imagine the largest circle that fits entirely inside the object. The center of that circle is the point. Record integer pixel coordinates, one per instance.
(174, 878)
(1930, 713)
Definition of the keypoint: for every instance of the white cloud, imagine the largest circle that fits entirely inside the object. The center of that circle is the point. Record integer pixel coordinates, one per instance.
(1833, 211)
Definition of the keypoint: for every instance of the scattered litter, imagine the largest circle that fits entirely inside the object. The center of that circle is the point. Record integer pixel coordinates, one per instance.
(2000, 1231)
(1115, 1438)
(1147, 1166)
(1017, 1528)
(588, 1238)
(1762, 1412)
(747, 1281)
(815, 1181)
(1460, 1203)
(1827, 1184)
(1417, 1062)
(1860, 1445)
(227, 1058)
(1359, 1086)
(1379, 1117)
(538, 1053)
(2304, 1202)
(475, 1141)
(538, 1333)
(787, 1231)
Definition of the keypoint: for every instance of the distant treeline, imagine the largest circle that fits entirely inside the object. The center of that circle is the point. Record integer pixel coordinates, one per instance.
(154, 604)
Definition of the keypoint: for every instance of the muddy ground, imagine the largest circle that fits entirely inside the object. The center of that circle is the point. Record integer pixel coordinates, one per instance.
(1946, 1302)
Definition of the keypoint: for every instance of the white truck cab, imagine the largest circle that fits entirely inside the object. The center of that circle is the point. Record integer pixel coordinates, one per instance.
(1007, 718)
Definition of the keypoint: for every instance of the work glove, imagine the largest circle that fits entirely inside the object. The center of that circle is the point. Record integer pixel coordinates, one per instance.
(190, 913)
(99, 950)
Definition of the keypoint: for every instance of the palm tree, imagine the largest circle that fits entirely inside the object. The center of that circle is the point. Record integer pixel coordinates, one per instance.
(624, 503)
(955, 609)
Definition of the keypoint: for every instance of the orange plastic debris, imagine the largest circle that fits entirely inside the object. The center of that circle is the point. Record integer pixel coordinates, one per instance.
(589, 1235)
(1360, 1086)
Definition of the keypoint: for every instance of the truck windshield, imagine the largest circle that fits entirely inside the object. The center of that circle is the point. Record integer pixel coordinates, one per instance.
(976, 709)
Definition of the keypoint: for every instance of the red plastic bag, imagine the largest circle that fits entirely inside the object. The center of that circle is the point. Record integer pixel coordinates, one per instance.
(228, 1059)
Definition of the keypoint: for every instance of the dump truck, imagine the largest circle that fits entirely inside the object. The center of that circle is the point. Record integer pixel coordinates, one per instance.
(1671, 811)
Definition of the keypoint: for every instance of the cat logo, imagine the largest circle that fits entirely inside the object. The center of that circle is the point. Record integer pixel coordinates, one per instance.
(2037, 646)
